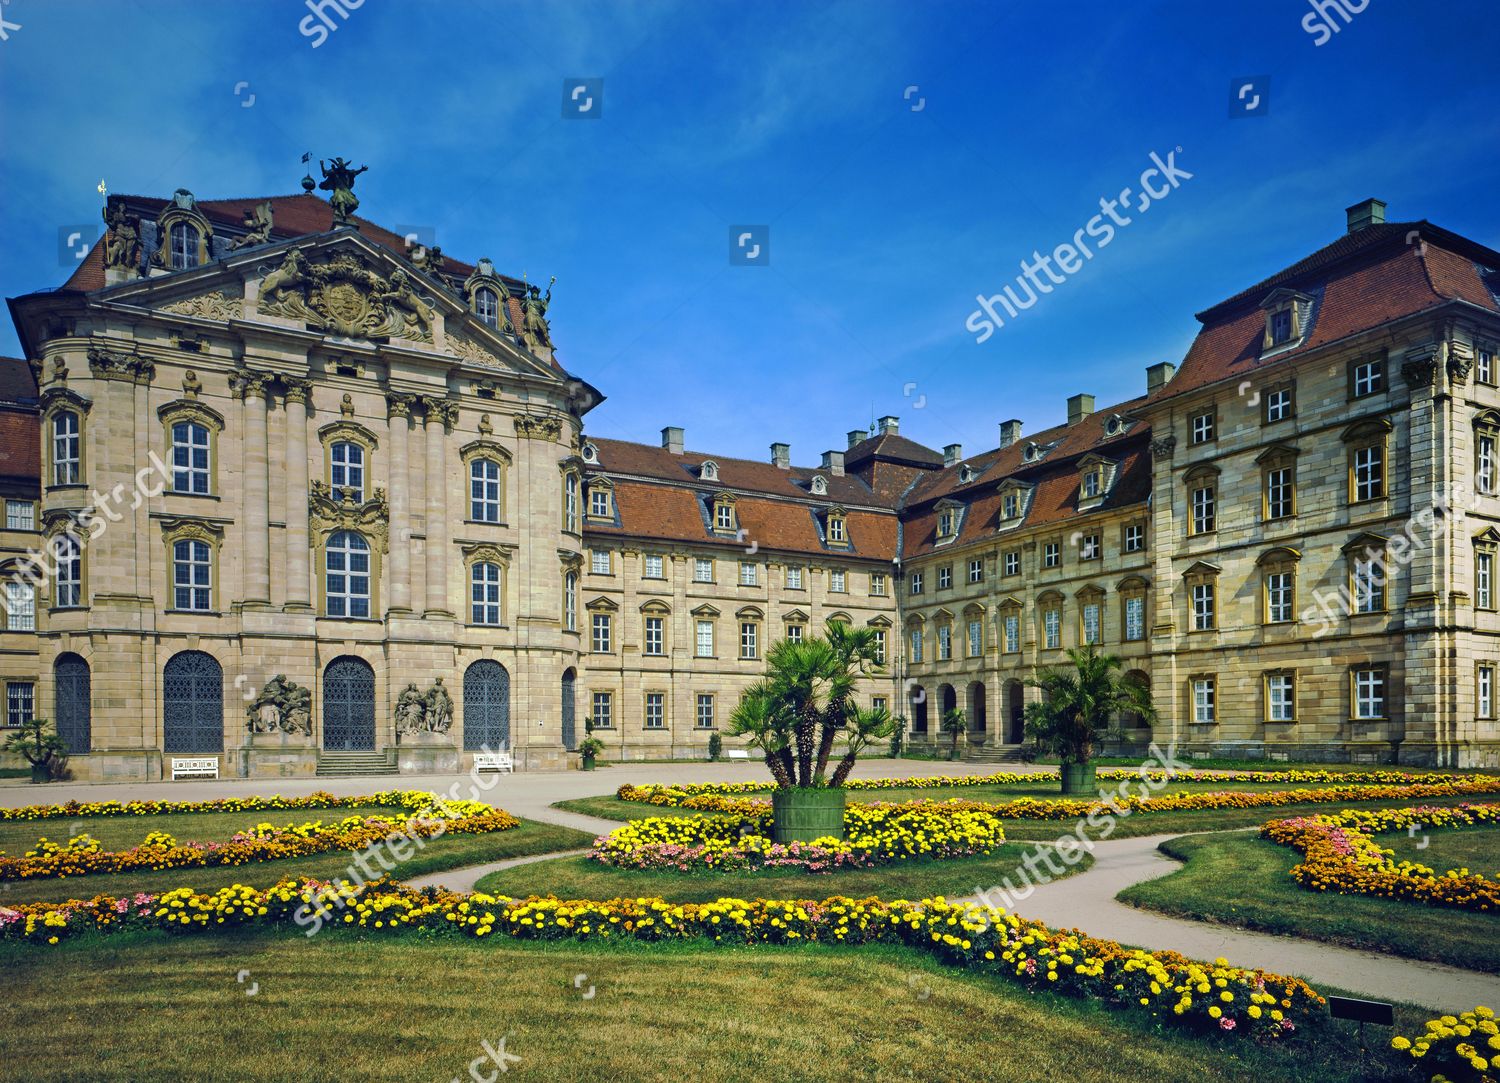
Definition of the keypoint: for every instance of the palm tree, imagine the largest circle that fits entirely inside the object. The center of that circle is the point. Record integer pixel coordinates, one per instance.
(955, 722)
(758, 719)
(865, 727)
(804, 677)
(1078, 702)
(855, 652)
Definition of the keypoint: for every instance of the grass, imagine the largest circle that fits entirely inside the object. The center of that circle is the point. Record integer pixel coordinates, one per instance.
(387, 1010)
(1243, 881)
(447, 852)
(1474, 848)
(580, 878)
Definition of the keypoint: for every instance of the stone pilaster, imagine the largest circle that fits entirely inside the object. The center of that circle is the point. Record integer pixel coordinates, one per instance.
(256, 510)
(299, 579)
(398, 413)
(439, 414)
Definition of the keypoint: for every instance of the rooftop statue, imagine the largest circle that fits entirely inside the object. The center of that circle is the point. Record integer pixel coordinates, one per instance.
(339, 179)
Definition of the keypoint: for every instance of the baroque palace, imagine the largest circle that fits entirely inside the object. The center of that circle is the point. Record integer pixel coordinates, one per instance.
(285, 494)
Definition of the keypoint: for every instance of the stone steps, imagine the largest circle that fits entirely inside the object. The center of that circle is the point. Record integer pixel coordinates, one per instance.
(985, 754)
(355, 764)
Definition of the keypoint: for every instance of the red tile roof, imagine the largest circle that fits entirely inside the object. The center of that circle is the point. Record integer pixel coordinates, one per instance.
(646, 460)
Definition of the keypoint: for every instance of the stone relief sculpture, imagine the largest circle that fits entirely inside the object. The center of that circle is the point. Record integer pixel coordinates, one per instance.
(347, 298)
(424, 712)
(410, 709)
(258, 223)
(439, 708)
(282, 706)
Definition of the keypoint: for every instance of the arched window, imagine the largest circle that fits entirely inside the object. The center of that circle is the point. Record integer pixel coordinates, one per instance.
(65, 449)
(192, 575)
(72, 702)
(68, 552)
(347, 470)
(190, 458)
(487, 306)
(185, 243)
(484, 579)
(570, 602)
(192, 704)
(484, 491)
(348, 568)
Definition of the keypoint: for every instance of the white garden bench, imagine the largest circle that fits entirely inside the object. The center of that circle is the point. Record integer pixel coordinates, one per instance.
(738, 754)
(195, 767)
(494, 761)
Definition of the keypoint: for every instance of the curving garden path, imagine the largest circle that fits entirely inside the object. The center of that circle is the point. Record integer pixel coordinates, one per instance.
(1086, 901)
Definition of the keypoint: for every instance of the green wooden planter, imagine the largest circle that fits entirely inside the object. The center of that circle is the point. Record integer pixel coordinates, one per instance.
(1078, 778)
(806, 813)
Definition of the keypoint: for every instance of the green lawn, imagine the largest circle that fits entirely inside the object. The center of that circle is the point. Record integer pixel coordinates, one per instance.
(123, 832)
(386, 1010)
(580, 878)
(1243, 880)
(1474, 848)
(447, 852)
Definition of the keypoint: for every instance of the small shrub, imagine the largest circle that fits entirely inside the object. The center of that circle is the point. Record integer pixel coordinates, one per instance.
(715, 747)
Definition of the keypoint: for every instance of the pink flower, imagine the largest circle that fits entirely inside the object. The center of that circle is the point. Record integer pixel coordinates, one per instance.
(1226, 1023)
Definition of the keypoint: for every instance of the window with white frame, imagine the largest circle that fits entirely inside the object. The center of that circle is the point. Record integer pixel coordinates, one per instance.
(20, 515)
(1485, 690)
(1204, 515)
(1484, 367)
(976, 637)
(1281, 697)
(837, 530)
(190, 458)
(1012, 625)
(1134, 538)
(1203, 598)
(347, 572)
(484, 592)
(1279, 490)
(68, 580)
(484, 491)
(916, 644)
(20, 703)
(749, 639)
(1011, 506)
(794, 579)
(1135, 617)
(1089, 547)
(1278, 404)
(1369, 472)
(1205, 707)
(837, 579)
(599, 563)
(602, 629)
(1369, 692)
(1091, 482)
(945, 577)
(604, 711)
(880, 646)
(703, 644)
(945, 523)
(794, 632)
(1368, 377)
(945, 642)
(1484, 464)
(705, 715)
(184, 241)
(570, 503)
(599, 502)
(1280, 597)
(1202, 427)
(1052, 628)
(916, 583)
(703, 570)
(877, 584)
(655, 567)
(655, 644)
(1091, 622)
(1013, 562)
(20, 607)
(192, 575)
(723, 515)
(1484, 578)
(65, 449)
(1369, 582)
(976, 570)
(487, 306)
(570, 601)
(346, 470)
(749, 574)
(1051, 554)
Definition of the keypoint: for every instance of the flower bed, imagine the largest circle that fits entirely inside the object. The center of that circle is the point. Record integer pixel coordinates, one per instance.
(874, 835)
(1171, 989)
(1339, 855)
(1034, 808)
(1459, 1048)
(73, 810)
(430, 816)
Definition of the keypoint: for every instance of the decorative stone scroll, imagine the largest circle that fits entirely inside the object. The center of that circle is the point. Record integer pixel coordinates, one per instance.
(329, 512)
(346, 297)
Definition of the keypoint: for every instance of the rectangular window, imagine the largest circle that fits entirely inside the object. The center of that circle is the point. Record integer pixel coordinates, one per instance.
(599, 561)
(837, 580)
(1204, 516)
(749, 574)
(1011, 506)
(723, 516)
(1278, 404)
(945, 524)
(68, 582)
(1369, 693)
(484, 582)
(20, 607)
(1135, 537)
(836, 528)
(1281, 326)
(484, 491)
(604, 711)
(1485, 692)
(1135, 618)
(705, 716)
(794, 579)
(1369, 583)
(916, 644)
(656, 711)
(703, 570)
(20, 702)
(916, 582)
(1089, 547)
(1203, 607)
(976, 638)
(1484, 579)
(570, 601)
(1203, 428)
(1368, 377)
(346, 469)
(1052, 626)
(703, 643)
(1279, 492)
(1484, 465)
(945, 578)
(749, 631)
(1012, 632)
(976, 570)
(655, 636)
(945, 642)
(794, 632)
(1279, 598)
(878, 703)
(191, 576)
(65, 449)
(1091, 622)
(570, 503)
(1281, 698)
(1091, 484)
(20, 515)
(1013, 562)
(1051, 554)
(599, 503)
(1204, 707)
(656, 567)
(1484, 367)
(877, 584)
(880, 646)
(601, 633)
(1369, 472)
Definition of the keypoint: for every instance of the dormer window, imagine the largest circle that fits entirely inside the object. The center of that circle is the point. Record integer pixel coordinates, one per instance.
(1281, 327)
(1114, 426)
(1094, 476)
(601, 502)
(1032, 453)
(965, 474)
(838, 528)
(819, 485)
(1091, 484)
(1011, 506)
(949, 520)
(709, 471)
(185, 242)
(487, 306)
(724, 518)
(945, 524)
(590, 453)
(1287, 315)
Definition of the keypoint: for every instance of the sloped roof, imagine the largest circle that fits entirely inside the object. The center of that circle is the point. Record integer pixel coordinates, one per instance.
(20, 424)
(17, 382)
(646, 460)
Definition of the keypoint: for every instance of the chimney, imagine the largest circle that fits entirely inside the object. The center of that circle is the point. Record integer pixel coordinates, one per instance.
(857, 436)
(1010, 432)
(1369, 213)
(833, 462)
(1158, 375)
(1079, 407)
(952, 453)
(671, 439)
(889, 425)
(781, 455)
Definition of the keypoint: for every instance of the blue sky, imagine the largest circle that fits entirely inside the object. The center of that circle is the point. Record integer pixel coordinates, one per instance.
(889, 209)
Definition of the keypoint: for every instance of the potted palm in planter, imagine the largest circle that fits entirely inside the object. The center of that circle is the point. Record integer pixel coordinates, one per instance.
(955, 723)
(1075, 712)
(42, 747)
(796, 715)
(590, 747)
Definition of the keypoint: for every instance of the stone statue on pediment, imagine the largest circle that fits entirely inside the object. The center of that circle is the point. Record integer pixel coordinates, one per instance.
(122, 242)
(339, 180)
(257, 222)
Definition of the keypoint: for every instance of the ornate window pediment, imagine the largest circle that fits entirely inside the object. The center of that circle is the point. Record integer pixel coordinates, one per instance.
(881, 621)
(346, 296)
(1133, 582)
(1369, 428)
(602, 604)
(183, 236)
(840, 618)
(348, 432)
(487, 297)
(1276, 454)
(708, 471)
(705, 610)
(656, 608)
(1201, 568)
(1203, 472)
(1090, 592)
(1366, 542)
(327, 516)
(749, 612)
(1282, 554)
(190, 410)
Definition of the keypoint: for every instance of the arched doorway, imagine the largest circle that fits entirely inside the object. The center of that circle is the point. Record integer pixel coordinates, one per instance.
(947, 701)
(1129, 720)
(192, 704)
(917, 700)
(72, 696)
(569, 725)
(486, 707)
(1015, 711)
(978, 716)
(349, 705)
